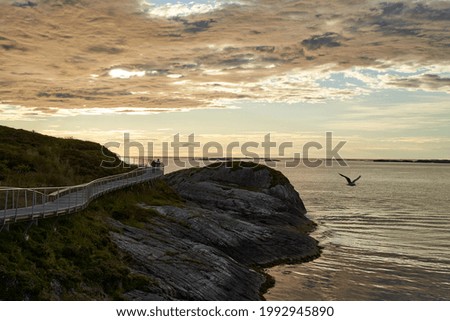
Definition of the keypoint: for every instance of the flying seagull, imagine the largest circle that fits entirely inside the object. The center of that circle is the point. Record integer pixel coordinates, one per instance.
(349, 181)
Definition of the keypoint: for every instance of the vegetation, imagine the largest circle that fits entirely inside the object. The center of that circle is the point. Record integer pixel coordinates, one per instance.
(130, 206)
(277, 176)
(70, 258)
(29, 159)
(73, 257)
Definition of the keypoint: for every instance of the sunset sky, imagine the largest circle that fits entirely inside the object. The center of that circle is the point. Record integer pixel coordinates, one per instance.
(375, 73)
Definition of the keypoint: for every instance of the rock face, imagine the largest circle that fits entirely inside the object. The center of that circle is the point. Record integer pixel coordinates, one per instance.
(236, 219)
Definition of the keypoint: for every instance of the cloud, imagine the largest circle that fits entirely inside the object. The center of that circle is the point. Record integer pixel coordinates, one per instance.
(21, 113)
(174, 10)
(395, 8)
(196, 26)
(125, 74)
(25, 4)
(428, 82)
(117, 55)
(426, 12)
(328, 39)
(105, 50)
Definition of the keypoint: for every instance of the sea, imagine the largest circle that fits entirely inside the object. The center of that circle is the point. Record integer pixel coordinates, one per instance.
(387, 238)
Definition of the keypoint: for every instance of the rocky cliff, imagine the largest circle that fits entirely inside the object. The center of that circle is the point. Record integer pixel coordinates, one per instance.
(235, 220)
(197, 234)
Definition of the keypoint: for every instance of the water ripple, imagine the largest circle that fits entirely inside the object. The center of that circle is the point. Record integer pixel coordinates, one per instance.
(386, 239)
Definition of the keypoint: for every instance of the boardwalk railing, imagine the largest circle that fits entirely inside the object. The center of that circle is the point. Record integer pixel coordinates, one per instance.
(27, 204)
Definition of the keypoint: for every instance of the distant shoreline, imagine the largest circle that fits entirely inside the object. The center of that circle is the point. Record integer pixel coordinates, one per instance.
(420, 161)
(138, 160)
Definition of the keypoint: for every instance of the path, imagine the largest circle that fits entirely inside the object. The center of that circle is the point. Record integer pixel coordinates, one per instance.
(28, 204)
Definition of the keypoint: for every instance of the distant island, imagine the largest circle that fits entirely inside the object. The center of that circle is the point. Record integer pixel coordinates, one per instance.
(229, 159)
(426, 161)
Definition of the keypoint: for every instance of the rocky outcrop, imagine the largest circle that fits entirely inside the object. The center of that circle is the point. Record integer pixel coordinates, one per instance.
(236, 219)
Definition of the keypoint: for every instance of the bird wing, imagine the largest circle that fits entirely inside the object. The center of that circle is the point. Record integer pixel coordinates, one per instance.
(356, 179)
(348, 179)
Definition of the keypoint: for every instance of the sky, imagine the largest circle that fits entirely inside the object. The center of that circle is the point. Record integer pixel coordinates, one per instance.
(375, 74)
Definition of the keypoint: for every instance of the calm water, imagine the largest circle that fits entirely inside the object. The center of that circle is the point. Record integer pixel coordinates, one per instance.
(388, 238)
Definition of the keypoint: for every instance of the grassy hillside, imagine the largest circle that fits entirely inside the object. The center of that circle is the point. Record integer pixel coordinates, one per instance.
(29, 159)
(70, 257)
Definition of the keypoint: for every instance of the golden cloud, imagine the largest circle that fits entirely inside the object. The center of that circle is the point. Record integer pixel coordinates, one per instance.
(89, 55)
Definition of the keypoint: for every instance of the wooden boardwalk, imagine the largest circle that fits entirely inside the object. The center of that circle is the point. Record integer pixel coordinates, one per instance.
(27, 204)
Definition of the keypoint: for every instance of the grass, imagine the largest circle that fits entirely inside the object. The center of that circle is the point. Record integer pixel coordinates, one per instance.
(124, 205)
(70, 258)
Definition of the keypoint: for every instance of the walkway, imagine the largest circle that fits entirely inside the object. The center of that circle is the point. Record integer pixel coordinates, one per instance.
(27, 204)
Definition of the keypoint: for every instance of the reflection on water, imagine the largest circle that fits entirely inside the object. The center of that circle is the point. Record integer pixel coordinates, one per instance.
(388, 238)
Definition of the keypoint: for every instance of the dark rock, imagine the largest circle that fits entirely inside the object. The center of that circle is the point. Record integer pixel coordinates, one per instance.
(235, 220)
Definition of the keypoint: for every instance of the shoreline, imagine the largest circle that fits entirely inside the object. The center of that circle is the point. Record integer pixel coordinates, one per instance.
(270, 279)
